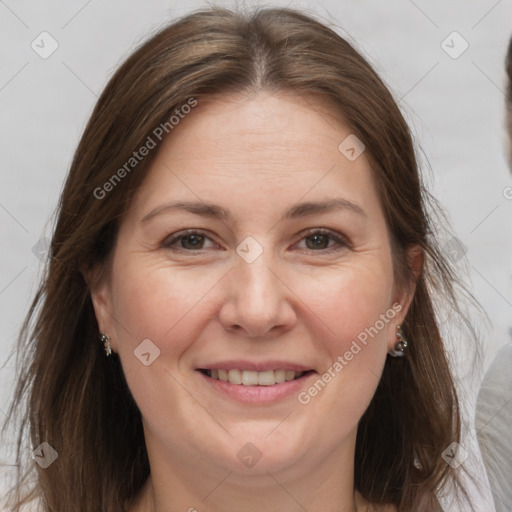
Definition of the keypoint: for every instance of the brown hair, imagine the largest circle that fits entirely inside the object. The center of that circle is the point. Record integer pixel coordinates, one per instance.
(509, 72)
(508, 65)
(73, 397)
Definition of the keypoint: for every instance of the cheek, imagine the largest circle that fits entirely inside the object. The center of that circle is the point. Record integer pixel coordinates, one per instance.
(353, 316)
(156, 302)
(349, 304)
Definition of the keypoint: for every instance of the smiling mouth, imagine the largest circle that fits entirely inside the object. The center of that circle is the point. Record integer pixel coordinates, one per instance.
(253, 378)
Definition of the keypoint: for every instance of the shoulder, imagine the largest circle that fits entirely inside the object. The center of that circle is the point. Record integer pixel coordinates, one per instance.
(502, 361)
(388, 508)
(365, 506)
(498, 377)
(492, 421)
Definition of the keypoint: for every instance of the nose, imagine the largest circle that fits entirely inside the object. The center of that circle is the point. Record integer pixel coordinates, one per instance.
(258, 303)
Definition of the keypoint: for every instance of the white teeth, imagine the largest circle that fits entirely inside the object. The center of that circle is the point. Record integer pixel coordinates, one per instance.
(235, 377)
(279, 376)
(249, 378)
(267, 378)
(252, 378)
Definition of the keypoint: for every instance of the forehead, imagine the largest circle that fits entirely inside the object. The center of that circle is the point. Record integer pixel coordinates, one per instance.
(261, 123)
(273, 145)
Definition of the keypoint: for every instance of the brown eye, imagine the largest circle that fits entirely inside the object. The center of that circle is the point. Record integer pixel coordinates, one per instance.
(319, 240)
(192, 241)
(187, 241)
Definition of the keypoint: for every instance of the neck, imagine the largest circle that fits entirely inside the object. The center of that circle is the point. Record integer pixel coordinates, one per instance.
(323, 484)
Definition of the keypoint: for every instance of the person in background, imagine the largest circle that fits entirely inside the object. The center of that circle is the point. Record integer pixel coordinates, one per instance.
(494, 402)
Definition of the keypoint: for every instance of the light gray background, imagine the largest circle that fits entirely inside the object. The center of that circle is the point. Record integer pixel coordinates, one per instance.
(455, 107)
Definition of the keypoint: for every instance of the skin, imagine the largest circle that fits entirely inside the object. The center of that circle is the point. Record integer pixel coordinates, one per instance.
(257, 156)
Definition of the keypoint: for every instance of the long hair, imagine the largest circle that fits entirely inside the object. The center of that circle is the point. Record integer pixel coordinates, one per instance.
(509, 73)
(508, 67)
(71, 396)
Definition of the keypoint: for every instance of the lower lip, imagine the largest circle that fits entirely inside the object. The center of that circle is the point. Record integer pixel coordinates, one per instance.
(258, 394)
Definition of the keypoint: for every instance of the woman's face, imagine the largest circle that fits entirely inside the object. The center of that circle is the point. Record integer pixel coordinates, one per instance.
(256, 251)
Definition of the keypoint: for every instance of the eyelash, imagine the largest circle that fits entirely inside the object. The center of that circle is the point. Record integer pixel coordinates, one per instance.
(341, 241)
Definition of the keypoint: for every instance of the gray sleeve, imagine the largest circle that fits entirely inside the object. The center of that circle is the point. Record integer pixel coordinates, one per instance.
(494, 427)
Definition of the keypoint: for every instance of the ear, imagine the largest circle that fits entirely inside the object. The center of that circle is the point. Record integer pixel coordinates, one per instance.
(99, 285)
(404, 293)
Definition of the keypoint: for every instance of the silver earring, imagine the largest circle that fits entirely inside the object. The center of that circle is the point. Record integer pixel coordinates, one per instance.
(401, 343)
(106, 343)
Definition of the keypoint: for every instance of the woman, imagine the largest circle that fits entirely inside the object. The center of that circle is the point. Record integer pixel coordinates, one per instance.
(242, 254)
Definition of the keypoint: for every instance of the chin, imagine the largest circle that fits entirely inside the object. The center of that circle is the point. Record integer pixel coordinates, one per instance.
(262, 447)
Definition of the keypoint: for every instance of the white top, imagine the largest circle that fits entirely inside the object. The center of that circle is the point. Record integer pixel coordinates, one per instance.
(494, 427)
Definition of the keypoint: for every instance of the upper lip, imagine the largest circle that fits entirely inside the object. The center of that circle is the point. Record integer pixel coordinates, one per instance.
(261, 366)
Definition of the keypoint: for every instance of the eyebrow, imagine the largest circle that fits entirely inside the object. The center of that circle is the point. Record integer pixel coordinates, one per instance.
(217, 212)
